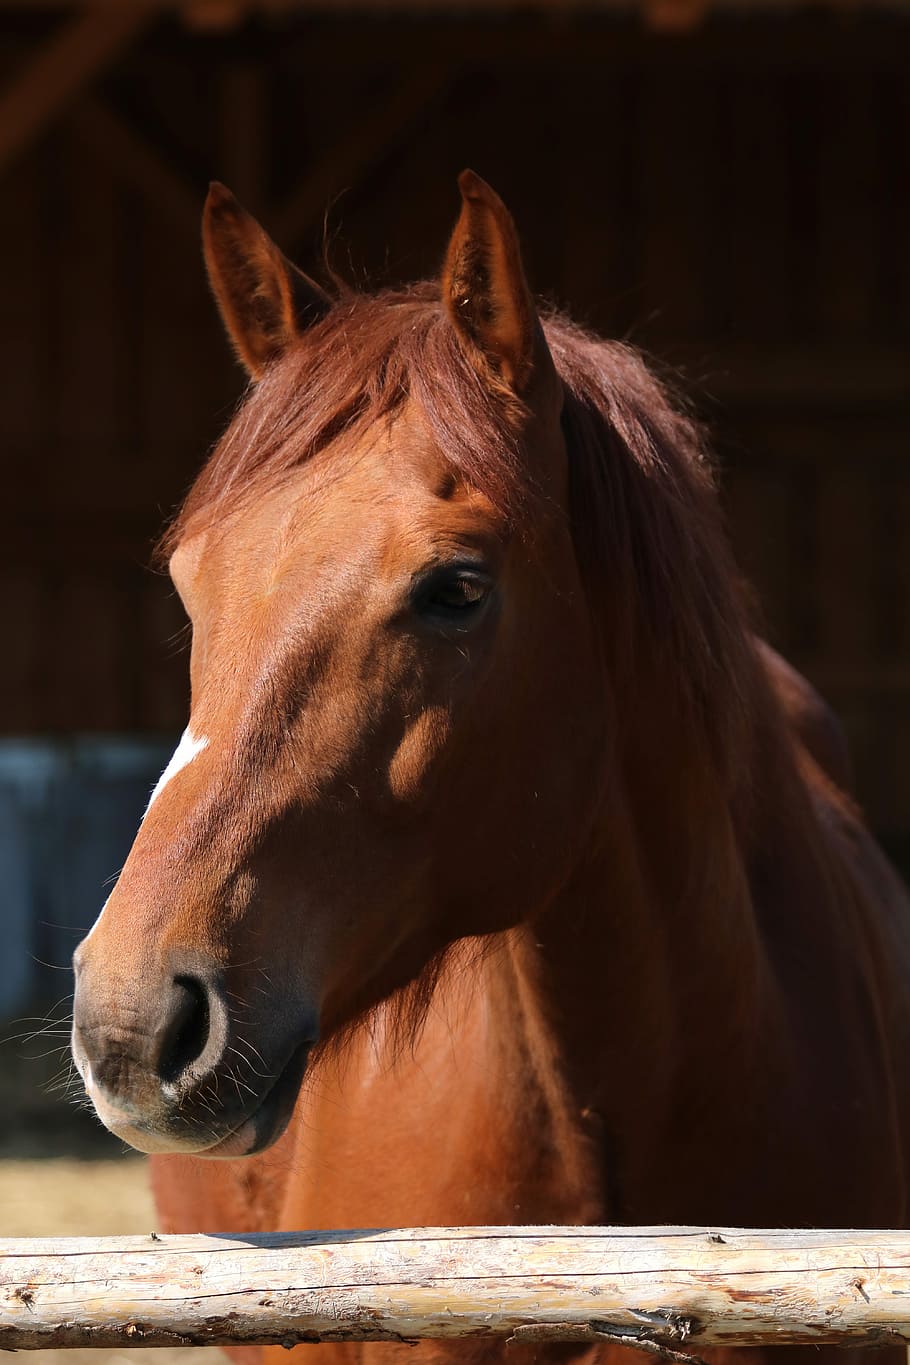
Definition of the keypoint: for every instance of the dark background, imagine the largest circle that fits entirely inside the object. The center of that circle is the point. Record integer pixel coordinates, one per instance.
(731, 194)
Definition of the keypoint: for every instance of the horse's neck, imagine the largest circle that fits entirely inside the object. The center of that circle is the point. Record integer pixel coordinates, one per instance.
(716, 938)
(656, 987)
(653, 965)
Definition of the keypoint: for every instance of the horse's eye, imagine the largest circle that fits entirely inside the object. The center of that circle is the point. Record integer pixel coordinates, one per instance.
(453, 594)
(459, 593)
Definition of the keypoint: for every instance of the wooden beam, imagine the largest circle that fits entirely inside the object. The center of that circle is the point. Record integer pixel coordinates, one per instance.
(344, 164)
(663, 1289)
(130, 156)
(79, 50)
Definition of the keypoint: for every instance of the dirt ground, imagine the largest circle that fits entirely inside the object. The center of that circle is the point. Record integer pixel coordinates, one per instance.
(61, 1196)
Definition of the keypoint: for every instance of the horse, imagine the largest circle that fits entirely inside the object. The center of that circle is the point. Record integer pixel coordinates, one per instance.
(503, 874)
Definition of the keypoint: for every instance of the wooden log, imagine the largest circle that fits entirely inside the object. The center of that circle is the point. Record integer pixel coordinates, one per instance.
(667, 1289)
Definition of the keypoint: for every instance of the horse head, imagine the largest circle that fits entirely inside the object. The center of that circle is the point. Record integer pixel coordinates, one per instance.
(395, 713)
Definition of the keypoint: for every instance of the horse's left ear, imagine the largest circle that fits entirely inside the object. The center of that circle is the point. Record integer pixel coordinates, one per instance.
(486, 293)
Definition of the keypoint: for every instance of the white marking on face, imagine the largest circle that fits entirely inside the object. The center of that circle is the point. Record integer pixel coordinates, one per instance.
(188, 749)
(97, 922)
(185, 752)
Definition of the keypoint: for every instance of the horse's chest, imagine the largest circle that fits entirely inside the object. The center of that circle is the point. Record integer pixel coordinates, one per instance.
(443, 1137)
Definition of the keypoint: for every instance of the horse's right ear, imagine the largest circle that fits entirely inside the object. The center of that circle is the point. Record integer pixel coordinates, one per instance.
(265, 301)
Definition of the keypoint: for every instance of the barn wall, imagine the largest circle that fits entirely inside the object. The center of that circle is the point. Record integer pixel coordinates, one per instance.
(731, 199)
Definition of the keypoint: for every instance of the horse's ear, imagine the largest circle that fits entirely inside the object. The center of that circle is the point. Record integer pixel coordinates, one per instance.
(265, 301)
(485, 291)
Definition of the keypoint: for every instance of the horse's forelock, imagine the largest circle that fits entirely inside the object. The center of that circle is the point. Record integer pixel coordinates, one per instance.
(358, 366)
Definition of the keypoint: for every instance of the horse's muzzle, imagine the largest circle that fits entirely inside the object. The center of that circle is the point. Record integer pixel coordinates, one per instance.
(167, 1070)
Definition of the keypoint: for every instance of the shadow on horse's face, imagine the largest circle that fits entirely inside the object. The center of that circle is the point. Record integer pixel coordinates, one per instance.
(385, 751)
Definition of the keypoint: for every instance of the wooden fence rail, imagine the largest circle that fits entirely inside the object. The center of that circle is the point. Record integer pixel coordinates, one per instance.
(670, 1289)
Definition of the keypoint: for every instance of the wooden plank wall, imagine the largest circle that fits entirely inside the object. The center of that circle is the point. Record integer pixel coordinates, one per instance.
(735, 199)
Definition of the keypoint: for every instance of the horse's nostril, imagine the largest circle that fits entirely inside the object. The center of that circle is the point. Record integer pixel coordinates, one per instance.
(186, 1031)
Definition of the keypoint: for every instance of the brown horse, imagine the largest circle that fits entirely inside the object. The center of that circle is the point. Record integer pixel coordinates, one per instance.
(502, 875)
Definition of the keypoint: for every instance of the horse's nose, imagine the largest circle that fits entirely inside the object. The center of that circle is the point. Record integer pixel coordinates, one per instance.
(182, 1031)
(150, 1037)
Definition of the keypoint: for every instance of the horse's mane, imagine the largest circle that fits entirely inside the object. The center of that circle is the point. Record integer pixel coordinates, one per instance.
(646, 519)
